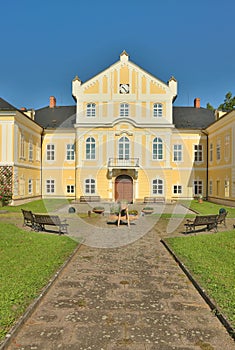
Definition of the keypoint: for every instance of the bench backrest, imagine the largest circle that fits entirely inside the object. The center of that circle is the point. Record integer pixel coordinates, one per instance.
(28, 215)
(47, 219)
(205, 219)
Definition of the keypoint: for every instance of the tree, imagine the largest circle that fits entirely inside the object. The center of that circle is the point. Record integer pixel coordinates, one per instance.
(228, 105)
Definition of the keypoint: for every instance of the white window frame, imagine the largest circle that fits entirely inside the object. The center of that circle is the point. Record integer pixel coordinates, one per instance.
(50, 152)
(218, 150)
(227, 147)
(70, 152)
(70, 188)
(197, 187)
(157, 110)
(124, 109)
(177, 189)
(210, 187)
(157, 149)
(198, 153)
(50, 186)
(90, 148)
(38, 153)
(158, 187)
(177, 152)
(22, 146)
(211, 152)
(90, 186)
(91, 110)
(124, 148)
(30, 151)
(30, 186)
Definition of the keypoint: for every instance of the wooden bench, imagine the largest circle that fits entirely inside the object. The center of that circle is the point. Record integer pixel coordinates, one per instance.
(84, 199)
(154, 199)
(42, 220)
(210, 221)
(28, 218)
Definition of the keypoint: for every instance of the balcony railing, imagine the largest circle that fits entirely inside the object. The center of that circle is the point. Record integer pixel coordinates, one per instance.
(123, 163)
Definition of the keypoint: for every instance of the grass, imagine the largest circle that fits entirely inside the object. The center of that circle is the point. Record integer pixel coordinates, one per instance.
(28, 261)
(38, 206)
(206, 208)
(211, 260)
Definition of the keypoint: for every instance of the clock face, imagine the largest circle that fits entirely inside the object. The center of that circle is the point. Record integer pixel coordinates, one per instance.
(124, 88)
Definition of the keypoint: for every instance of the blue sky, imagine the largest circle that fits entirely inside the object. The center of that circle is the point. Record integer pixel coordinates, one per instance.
(46, 43)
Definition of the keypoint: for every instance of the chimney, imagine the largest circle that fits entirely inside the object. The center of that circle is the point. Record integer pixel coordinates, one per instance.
(52, 102)
(23, 109)
(197, 102)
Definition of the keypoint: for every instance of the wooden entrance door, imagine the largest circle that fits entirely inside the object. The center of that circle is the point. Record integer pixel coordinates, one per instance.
(124, 188)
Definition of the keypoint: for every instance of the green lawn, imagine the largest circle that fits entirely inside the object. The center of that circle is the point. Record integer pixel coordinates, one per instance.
(39, 206)
(211, 260)
(205, 208)
(28, 260)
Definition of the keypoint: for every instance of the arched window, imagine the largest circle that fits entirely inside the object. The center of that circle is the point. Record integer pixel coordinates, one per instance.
(157, 187)
(90, 148)
(124, 148)
(89, 186)
(90, 110)
(124, 110)
(157, 110)
(157, 148)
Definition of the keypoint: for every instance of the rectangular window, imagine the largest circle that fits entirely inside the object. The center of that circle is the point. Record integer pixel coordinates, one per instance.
(226, 188)
(210, 187)
(211, 152)
(30, 186)
(124, 110)
(50, 152)
(198, 153)
(70, 188)
(227, 147)
(177, 153)
(177, 189)
(70, 152)
(218, 153)
(89, 186)
(30, 151)
(50, 186)
(38, 153)
(22, 146)
(197, 187)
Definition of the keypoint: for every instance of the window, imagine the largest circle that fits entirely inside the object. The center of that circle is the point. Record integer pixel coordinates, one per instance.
(227, 147)
(177, 189)
(89, 186)
(177, 153)
(226, 188)
(157, 110)
(37, 153)
(197, 187)
(218, 152)
(157, 187)
(70, 152)
(50, 186)
(198, 153)
(50, 152)
(91, 110)
(30, 151)
(124, 110)
(157, 149)
(211, 152)
(30, 186)
(210, 187)
(22, 146)
(90, 148)
(123, 148)
(70, 188)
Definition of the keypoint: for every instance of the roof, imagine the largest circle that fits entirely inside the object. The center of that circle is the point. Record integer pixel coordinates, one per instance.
(192, 118)
(61, 116)
(4, 105)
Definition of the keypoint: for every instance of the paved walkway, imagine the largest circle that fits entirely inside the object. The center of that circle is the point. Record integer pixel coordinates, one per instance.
(132, 297)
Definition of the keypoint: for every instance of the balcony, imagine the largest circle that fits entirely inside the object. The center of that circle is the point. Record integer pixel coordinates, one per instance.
(120, 163)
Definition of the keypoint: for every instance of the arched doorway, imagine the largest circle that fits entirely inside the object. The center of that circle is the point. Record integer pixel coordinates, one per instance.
(124, 188)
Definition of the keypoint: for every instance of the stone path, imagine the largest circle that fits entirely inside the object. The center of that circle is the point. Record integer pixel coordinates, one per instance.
(132, 297)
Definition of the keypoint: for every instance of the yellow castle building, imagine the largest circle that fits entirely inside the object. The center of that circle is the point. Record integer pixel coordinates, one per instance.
(122, 140)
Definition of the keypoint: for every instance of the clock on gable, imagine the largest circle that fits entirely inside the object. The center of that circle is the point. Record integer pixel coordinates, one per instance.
(124, 88)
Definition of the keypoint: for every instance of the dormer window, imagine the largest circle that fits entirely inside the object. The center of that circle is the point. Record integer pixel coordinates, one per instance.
(124, 110)
(157, 110)
(91, 110)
